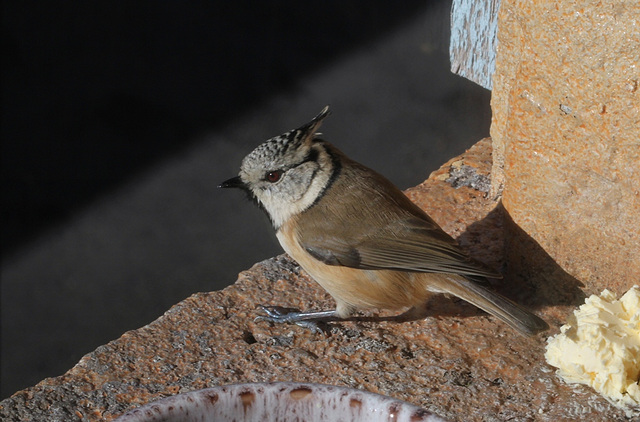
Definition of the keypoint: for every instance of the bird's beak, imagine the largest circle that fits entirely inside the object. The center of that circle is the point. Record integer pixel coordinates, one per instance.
(234, 182)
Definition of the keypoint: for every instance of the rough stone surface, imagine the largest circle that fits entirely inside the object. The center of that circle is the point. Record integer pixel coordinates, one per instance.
(566, 133)
(458, 362)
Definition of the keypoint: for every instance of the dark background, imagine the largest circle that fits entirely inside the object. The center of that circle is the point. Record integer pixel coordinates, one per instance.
(119, 119)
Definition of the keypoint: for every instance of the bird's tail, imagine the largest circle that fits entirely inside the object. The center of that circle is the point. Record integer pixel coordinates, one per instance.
(494, 303)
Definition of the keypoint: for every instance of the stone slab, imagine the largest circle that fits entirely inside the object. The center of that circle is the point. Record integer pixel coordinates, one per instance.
(458, 362)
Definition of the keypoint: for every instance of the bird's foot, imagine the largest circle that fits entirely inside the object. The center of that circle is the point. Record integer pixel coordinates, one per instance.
(315, 321)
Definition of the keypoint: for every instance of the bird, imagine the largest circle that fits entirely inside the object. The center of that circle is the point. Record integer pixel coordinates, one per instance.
(359, 236)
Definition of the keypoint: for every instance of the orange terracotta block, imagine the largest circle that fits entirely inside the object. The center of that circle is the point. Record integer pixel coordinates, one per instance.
(566, 133)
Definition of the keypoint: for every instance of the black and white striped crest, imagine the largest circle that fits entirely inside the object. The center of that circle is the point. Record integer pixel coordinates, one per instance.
(273, 150)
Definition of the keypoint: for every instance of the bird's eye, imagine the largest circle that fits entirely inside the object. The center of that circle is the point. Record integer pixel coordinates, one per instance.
(273, 176)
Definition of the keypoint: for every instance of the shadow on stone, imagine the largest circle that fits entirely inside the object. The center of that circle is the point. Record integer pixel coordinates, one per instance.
(531, 272)
(531, 276)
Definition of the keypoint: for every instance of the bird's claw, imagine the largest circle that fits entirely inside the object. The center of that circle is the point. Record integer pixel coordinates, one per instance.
(280, 315)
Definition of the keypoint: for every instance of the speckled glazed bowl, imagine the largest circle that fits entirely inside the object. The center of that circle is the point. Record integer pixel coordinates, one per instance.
(280, 401)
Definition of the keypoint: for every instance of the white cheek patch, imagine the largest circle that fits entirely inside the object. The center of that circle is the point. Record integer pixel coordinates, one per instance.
(299, 148)
(299, 180)
(299, 188)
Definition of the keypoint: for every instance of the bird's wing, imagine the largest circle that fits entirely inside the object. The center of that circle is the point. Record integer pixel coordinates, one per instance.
(409, 244)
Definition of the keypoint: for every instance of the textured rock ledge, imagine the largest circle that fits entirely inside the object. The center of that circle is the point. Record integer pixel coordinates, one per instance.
(458, 362)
